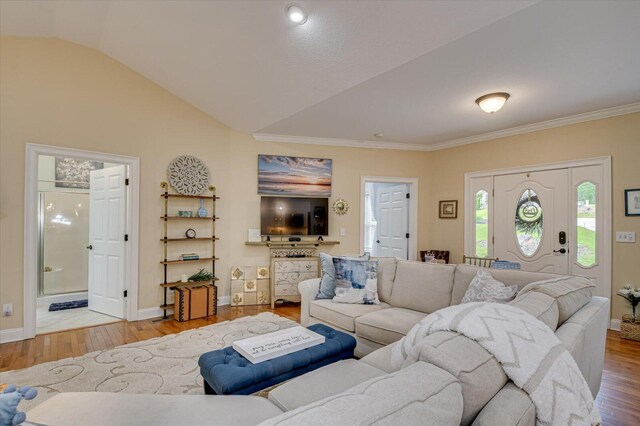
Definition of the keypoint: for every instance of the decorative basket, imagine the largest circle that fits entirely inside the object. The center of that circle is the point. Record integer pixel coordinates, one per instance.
(630, 329)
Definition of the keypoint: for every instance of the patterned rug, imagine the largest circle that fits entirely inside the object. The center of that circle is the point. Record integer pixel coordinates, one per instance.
(162, 365)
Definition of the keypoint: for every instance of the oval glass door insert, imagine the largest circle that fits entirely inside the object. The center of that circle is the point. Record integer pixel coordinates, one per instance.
(528, 223)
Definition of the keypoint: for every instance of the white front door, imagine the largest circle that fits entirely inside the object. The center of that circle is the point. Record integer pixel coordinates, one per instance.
(107, 212)
(392, 206)
(531, 220)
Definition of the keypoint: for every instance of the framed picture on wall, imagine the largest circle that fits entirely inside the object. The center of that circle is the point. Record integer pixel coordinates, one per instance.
(280, 175)
(632, 202)
(448, 209)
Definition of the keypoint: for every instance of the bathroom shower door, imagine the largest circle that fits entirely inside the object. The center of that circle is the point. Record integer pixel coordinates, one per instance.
(106, 241)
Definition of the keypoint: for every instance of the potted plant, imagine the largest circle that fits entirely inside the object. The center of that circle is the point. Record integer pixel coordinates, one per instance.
(630, 326)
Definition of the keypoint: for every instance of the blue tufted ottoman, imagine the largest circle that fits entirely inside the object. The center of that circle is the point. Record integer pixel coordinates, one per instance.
(226, 372)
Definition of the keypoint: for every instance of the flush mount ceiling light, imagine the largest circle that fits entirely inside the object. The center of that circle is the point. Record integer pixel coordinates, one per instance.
(492, 102)
(295, 14)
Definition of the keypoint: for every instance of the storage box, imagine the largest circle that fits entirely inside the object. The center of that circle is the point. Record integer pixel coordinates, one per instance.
(195, 302)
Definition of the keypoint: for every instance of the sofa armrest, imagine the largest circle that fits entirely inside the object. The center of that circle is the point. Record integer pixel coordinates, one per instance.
(308, 290)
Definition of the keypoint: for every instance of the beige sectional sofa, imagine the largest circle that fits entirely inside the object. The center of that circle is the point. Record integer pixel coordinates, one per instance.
(410, 290)
(455, 382)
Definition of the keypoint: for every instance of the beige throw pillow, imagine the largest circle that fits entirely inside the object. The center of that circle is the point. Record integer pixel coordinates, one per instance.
(484, 288)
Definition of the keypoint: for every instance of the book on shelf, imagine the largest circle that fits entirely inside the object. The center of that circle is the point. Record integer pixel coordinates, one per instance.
(189, 256)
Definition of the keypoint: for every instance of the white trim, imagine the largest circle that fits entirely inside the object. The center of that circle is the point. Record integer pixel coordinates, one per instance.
(528, 128)
(148, 313)
(412, 182)
(31, 220)
(605, 162)
(615, 324)
(224, 300)
(352, 143)
(11, 335)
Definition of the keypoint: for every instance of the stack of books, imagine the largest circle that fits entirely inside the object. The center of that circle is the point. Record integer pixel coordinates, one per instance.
(189, 256)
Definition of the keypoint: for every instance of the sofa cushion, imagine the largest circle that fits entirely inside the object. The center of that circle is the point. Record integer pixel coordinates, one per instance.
(327, 289)
(422, 287)
(465, 273)
(510, 406)
(485, 288)
(381, 359)
(321, 383)
(479, 373)
(386, 276)
(356, 281)
(540, 305)
(341, 315)
(571, 292)
(387, 326)
(413, 395)
(108, 409)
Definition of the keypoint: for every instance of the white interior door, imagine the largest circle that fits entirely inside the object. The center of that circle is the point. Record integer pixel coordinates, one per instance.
(531, 215)
(392, 207)
(106, 241)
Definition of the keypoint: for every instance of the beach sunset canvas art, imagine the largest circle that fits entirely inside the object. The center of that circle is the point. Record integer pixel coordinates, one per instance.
(280, 175)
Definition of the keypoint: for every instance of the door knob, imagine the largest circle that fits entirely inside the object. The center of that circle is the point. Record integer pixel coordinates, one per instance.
(90, 247)
(561, 251)
(378, 241)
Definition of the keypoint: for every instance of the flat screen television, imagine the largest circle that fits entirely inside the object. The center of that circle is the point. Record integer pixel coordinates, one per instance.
(294, 216)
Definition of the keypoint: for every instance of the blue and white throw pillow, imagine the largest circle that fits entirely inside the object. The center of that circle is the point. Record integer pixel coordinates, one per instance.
(356, 281)
(327, 289)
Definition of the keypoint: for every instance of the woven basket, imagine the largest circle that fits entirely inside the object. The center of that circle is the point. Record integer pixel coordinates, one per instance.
(629, 329)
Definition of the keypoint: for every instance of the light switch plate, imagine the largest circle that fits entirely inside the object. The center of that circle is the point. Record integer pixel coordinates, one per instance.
(343, 232)
(7, 309)
(625, 237)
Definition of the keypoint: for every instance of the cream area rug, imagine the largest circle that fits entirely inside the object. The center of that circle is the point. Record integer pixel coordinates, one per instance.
(162, 365)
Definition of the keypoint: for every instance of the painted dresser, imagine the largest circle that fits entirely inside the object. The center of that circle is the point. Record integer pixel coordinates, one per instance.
(287, 272)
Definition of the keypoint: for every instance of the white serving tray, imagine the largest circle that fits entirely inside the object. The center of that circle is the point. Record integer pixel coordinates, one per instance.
(282, 342)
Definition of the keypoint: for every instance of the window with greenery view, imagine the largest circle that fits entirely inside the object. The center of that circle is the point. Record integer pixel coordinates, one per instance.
(482, 227)
(586, 224)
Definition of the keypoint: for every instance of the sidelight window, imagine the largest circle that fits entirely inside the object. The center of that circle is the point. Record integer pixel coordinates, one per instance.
(586, 224)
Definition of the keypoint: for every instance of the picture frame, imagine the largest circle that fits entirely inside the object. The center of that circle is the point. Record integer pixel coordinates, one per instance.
(632, 202)
(294, 176)
(448, 209)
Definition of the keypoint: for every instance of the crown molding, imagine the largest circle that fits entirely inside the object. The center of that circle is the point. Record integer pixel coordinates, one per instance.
(352, 143)
(550, 124)
(543, 125)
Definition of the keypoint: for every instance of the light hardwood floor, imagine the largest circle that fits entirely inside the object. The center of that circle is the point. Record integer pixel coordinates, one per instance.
(618, 400)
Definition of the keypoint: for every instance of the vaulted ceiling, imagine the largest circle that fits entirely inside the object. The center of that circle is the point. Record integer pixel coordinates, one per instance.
(410, 70)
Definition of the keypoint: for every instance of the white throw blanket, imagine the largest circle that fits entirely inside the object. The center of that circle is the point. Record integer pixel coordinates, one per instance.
(529, 352)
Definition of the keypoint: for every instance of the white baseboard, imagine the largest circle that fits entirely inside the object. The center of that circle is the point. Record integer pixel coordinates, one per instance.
(11, 335)
(615, 324)
(148, 313)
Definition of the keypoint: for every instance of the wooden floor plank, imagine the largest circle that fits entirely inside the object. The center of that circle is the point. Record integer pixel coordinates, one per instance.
(618, 400)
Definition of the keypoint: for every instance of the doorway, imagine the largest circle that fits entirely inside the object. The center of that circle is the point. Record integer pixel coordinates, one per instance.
(388, 218)
(550, 218)
(81, 232)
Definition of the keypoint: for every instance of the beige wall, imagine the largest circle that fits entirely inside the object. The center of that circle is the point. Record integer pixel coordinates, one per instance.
(618, 137)
(58, 93)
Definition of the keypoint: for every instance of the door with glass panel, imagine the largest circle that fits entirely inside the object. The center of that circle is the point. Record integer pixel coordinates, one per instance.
(532, 220)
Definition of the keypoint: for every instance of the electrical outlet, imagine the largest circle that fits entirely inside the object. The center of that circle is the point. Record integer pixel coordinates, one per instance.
(625, 237)
(7, 309)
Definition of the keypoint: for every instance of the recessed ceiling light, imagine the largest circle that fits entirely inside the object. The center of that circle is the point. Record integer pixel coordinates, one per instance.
(378, 135)
(296, 14)
(492, 102)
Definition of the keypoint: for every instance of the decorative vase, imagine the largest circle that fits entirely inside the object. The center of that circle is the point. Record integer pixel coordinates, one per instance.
(202, 212)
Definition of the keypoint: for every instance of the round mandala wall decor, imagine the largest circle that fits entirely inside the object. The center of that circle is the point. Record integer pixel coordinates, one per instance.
(188, 175)
(340, 207)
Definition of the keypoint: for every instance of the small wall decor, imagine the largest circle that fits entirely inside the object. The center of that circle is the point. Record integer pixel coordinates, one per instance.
(188, 175)
(340, 207)
(250, 285)
(280, 175)
(72, 173)
(632, 202)
(448, 209)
